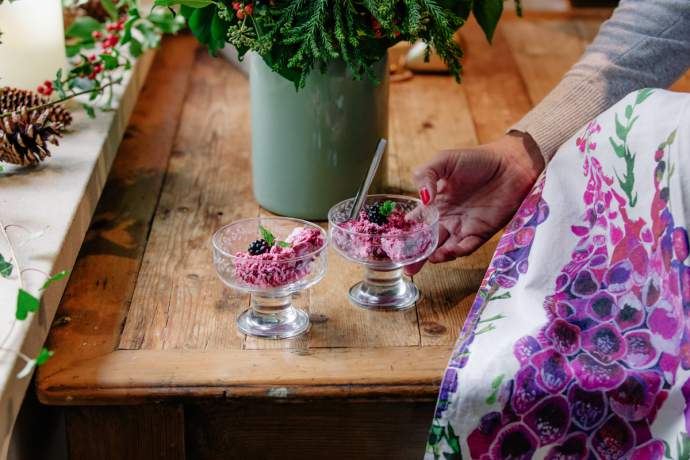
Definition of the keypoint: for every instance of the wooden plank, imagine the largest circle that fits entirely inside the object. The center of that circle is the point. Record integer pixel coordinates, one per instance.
(126, 433)
(315, 430)
(497, 97)
(96, 299)
(338, 323)
(427, 113)
(134, 376)
(448, 291)
(496, 93)
(544, 51)
(178, 302)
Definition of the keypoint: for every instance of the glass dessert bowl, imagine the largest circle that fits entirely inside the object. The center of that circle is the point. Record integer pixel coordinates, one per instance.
(390, 232)
(271, 258)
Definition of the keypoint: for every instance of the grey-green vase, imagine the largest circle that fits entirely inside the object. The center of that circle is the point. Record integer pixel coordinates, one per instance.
(311, 148)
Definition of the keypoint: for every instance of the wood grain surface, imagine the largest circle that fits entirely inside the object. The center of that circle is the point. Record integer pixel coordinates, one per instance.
(145, 318)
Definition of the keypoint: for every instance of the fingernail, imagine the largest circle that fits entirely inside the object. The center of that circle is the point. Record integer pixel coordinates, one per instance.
(424, 195)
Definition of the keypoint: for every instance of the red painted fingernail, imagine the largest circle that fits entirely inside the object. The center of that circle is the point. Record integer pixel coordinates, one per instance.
(424, 195)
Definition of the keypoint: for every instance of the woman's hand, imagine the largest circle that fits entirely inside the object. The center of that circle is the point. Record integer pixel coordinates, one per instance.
(477, 190)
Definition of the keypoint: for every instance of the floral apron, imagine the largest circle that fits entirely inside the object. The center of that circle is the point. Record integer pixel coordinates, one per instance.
(578, 343)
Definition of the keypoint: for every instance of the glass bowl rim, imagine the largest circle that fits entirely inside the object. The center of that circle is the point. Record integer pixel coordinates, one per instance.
(432, 209)
(276, 218)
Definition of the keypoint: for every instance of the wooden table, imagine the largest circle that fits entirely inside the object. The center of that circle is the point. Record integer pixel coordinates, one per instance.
(147, 356)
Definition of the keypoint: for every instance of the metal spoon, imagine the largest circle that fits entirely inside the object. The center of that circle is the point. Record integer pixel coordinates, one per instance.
(361, 196)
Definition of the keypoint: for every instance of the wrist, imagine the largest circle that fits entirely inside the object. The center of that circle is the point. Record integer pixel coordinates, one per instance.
(524, 151)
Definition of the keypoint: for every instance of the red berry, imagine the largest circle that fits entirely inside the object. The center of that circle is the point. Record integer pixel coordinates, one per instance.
(41, 89)
(92, 58)
(48, 83)
(249, 9)
(236, 6)
(240, 14)
(96, 35)
(49, 91)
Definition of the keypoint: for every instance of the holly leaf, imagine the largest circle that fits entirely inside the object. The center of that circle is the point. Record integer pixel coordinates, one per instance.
(56, 277)
(43, 356)
(26, 303)
(267, 235)
(488, 13)
(83, 27)
(386, 208)
(89, 110)
(110, 8)
(5, 267)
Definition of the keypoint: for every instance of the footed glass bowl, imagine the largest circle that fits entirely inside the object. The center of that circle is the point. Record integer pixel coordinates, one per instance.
(295, 262)
(386, 251)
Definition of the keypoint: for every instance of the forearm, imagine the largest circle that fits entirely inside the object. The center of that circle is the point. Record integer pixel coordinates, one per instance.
(644, 44)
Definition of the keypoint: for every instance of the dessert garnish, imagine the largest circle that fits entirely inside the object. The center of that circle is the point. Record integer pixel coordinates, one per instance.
(269, 262)
(378, 212)
(258, 247)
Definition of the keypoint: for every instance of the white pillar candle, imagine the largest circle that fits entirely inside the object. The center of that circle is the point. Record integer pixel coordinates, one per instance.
(32, 44)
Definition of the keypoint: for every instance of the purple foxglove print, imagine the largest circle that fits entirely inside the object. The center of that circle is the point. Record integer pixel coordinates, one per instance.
(613, 440)
(514, 442)
(594, 375)
(587, 408)
(604, 343)
(634, 399)
(593, 381)
(549, 419)
(640, 352)
(553, 370)
(574, 447)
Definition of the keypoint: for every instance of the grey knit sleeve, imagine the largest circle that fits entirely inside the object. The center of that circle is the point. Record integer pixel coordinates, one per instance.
(645, 43)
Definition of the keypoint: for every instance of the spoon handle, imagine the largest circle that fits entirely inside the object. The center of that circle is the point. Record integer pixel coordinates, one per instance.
(363, 191)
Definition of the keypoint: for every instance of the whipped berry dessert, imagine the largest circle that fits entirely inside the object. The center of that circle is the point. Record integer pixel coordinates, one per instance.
(383, 232)
(269, 263)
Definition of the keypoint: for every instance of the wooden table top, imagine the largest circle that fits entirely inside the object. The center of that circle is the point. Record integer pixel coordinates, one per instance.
(144, 316)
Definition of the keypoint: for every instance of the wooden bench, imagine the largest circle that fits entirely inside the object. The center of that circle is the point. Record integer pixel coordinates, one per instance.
(148, 362)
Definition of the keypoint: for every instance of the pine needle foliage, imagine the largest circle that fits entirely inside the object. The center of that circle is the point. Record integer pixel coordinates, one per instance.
(295, 37)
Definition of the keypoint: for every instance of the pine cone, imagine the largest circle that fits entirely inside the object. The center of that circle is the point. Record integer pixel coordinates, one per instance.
(24, 136)
(12, 99)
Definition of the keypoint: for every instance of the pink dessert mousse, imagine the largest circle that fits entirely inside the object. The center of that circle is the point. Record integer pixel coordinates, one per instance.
(279, 263)
(380, 238)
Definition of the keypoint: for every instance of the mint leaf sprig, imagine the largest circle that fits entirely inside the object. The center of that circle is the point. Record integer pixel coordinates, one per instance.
(271, 239)
(387, 208)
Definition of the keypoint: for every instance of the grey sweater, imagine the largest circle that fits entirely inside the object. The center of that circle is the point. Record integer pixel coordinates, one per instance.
(645, 43)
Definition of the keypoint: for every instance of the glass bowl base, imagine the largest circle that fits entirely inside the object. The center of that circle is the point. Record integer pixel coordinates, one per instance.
(269, 322)
(387, 291)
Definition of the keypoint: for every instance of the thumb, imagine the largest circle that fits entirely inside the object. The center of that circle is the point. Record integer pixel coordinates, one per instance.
(427, 176)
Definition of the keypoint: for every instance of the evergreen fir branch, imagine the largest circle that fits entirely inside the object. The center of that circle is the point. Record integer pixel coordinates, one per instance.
(296, 36)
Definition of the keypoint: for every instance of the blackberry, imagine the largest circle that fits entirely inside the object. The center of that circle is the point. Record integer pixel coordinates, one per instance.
(259, 247)
(374, 215)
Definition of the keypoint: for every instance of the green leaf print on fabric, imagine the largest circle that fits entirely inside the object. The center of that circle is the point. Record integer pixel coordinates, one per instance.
(683, 444)
(495, 386)
(621, 148)
(437, 435)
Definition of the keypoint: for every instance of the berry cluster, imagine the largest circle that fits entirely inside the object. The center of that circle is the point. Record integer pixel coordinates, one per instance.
(46, 89)
(242, 11)
(110, 39)
(374, 215)
(259, 247)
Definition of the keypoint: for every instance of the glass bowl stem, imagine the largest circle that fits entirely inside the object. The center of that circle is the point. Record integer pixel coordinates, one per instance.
(273, 316)
(384, 290)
